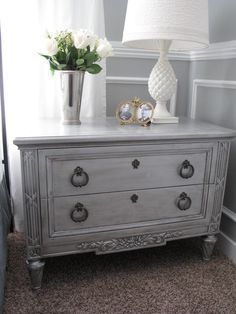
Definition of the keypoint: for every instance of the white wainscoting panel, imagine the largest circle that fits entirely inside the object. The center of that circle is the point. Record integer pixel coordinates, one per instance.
(225, 243)
(141, 81)
(207, 83)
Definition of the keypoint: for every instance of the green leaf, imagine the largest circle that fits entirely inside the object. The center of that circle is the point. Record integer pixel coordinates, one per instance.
(60, 57)
(79, 61)
(52, 65)
(74, 53)
(47, 57)
(81, 68)
(52, 71)
(90, 56)
(94, 69)
(54, 61)
(81, 53)
(62, 66)
(68, 57)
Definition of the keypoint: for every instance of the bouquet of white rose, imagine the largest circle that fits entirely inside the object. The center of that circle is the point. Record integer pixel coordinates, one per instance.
(76, 51)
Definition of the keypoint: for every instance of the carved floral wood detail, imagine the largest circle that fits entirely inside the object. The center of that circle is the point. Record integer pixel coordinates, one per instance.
(128, 243)
(221, 167)
(34, 251)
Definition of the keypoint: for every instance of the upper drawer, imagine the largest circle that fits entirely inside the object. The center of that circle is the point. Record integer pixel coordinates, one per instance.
(106, 169)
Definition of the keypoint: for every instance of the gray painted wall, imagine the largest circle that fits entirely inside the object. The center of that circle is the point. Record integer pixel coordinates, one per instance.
(222, 21)
(114, 11)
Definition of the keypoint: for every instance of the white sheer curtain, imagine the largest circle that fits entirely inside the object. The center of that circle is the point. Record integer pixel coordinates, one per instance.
(30, 90)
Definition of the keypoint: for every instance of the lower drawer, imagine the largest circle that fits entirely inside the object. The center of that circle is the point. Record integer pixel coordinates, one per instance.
(110, 211)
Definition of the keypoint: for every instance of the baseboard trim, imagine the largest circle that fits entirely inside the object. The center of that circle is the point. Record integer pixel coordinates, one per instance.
(225, 243)
(229, 213)
(227, 246)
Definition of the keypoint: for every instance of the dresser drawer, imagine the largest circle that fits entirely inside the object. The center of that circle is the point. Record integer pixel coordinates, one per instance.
(90, 213)
(100, 172)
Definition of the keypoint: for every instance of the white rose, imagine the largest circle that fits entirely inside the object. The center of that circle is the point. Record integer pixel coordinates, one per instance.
(104, 48)
(51, 46)
(93, 41)
(83, 38)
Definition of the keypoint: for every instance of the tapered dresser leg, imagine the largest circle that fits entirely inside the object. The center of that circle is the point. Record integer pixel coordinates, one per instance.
(35, 268)
(208, 244)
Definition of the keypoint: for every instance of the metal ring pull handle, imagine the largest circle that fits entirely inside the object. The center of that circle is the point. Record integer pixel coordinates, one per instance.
(79, 178)
(186, 170)
(184, 202)
(79, 213)
(135, 163)
(134, 198)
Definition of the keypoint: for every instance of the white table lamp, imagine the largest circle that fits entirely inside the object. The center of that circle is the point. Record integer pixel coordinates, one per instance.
(164, 25)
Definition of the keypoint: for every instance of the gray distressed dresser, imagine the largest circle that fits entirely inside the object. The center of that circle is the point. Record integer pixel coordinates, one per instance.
(106, 188)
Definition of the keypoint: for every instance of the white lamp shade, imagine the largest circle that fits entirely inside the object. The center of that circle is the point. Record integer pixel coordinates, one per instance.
(185, 22)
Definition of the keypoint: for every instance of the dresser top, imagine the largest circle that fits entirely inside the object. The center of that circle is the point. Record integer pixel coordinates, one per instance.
(107, 130)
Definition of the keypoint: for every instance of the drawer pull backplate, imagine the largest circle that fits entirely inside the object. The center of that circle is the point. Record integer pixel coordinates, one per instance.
(184, 202)
(186, 170)
(79, 213)
(79, 178)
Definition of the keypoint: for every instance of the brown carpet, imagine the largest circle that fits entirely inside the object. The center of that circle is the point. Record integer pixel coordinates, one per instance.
(166, 280)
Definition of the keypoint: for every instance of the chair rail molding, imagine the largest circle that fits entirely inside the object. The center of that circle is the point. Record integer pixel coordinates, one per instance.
(216, 51)
(207, 83)
(120, 51)
(141, 81)
(127, 80)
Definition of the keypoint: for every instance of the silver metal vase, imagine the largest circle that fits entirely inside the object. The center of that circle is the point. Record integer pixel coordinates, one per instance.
(72, 89)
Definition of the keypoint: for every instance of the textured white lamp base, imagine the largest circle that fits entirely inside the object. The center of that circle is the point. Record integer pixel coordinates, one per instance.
(162, 115)
(162, 85)
(170, 119)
